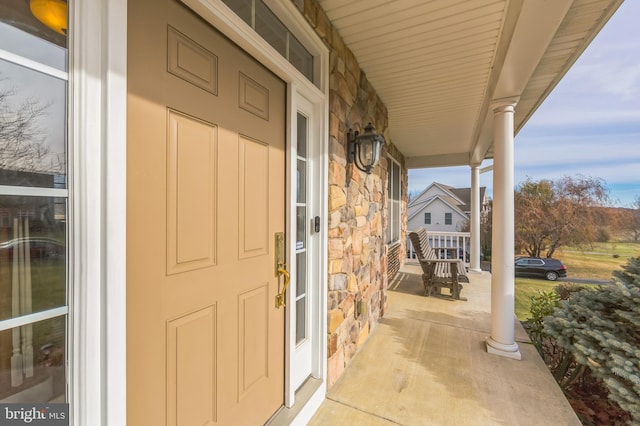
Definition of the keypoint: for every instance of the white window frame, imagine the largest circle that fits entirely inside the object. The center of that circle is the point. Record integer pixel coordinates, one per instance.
(316, 271)
(391, 219)
(63, 193)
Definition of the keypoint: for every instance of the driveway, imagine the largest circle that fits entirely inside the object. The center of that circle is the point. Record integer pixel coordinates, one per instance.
(584, 281)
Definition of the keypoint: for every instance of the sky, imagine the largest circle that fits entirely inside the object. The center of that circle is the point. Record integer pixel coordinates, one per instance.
(42, 89)
(588, 126)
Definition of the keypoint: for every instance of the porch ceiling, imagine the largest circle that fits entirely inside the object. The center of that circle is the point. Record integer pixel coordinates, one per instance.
(438, 65)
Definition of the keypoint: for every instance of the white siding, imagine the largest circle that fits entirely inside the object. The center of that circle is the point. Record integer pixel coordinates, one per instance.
(437, 208)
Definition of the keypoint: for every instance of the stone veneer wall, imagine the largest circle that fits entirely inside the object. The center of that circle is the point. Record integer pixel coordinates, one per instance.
(357, 284)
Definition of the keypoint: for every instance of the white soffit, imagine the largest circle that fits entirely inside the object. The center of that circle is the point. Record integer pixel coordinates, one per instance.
(437, 65)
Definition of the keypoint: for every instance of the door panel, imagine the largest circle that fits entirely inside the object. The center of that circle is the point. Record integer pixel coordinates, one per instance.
(253, 352)
(205, 195)
(254, 196)
(191, 374)
(191, 219)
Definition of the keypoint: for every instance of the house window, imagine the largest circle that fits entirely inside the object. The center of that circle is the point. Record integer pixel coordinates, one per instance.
(33, 209)
(448, 219)
(273, 31)
(393, 190)
(427, 218)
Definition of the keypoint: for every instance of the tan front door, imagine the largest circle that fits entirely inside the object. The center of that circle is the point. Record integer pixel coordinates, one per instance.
(205, 196)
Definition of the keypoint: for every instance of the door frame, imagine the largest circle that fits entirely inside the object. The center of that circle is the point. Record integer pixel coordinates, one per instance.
(315, 207)
(97, 143)
(97, 202)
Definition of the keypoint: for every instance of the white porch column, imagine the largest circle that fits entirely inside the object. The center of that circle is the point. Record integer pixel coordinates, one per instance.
(502, 339)
(475, 219)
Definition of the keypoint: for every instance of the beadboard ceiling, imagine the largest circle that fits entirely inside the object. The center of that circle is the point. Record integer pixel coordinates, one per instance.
(438, 65)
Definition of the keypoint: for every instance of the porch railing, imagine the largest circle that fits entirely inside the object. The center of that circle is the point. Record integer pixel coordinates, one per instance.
(447, 245)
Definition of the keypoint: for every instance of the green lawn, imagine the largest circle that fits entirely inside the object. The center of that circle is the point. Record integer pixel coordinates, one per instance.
(525, 288)
(596, 262)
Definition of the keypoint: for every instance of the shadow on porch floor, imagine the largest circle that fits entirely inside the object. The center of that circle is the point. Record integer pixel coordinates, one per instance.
(426, 364)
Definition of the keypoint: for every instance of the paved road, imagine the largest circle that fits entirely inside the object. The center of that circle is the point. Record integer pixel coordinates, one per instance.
(584, 281)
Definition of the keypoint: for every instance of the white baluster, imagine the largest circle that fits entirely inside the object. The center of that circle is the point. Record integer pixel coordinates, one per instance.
(27, 347)
(16, 356)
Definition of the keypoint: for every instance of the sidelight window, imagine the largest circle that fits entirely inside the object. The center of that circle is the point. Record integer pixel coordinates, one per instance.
(33, 209)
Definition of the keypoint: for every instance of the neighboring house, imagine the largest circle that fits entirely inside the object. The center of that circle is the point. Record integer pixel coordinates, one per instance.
(442, 208)
(204, 148)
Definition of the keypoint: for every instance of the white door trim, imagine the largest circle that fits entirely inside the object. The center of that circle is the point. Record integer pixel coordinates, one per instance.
(295, 372)
(97, 221)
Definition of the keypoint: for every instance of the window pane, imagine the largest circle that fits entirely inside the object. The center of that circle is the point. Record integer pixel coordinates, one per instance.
(393, 227)
(301, 320)
(21, 33)
(396, 220)
(32, 362)
(270, 28)
(301, 184)
(32, 254)
(301, 228)
(32, 128)
(396, 181)
(301, 274)
(242, 8)
(302, 136)
(300, 58)
(390, 196)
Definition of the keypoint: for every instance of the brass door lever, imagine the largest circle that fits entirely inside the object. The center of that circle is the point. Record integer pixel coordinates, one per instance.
(280, 296)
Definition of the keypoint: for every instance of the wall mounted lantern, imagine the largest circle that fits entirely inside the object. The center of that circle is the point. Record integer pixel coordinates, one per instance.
(52, 13)
(363, 150)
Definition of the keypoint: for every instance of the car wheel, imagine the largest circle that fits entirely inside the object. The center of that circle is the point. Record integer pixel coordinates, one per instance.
(551, 275)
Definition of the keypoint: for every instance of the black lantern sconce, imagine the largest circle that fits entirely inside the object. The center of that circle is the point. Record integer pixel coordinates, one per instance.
(363, 150)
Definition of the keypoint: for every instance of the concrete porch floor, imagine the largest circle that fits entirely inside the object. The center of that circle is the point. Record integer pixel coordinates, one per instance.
(426, 364)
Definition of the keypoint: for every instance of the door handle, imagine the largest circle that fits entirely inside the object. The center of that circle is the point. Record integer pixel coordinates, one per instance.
(280, 296)
(279, 252)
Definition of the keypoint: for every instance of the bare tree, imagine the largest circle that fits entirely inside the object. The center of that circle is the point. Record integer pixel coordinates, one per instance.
(22, 142)
(631, 219)
(550, 214)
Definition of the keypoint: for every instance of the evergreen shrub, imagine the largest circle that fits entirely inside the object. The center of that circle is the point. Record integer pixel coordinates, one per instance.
(601, 328)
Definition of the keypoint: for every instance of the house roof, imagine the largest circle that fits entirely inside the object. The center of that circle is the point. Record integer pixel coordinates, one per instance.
(446, 200)
(459, 197)
(446, 189)
(464, 194)
(438, 65)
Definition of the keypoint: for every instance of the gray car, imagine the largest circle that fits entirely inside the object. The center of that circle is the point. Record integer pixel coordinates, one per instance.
(548, 268)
